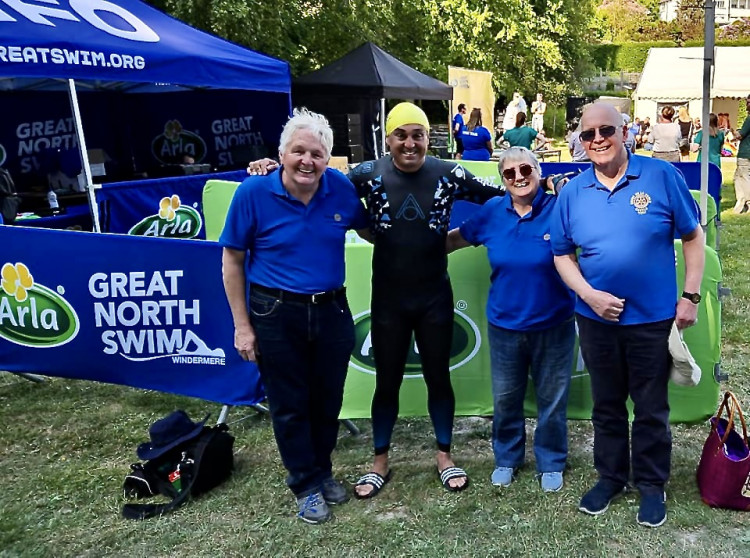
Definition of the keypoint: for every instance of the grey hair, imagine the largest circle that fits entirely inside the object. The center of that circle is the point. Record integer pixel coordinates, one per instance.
(303, 119)
(518, 154)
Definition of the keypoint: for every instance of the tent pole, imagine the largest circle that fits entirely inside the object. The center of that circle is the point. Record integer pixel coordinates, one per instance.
(708, 63)
(382, 126)
(451, 145)
(84, 155)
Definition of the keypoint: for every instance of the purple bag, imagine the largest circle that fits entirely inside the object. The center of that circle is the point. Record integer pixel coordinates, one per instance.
(724, 469)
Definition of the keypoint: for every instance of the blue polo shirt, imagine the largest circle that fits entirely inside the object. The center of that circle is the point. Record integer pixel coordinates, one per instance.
(458, 119)
(475, 144)
(293, 246)
(526, 293)
(626, 236)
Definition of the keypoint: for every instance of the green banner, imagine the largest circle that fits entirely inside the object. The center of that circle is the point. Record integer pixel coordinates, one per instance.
(470, 361)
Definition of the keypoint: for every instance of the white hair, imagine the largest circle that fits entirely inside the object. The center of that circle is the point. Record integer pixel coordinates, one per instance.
(303, 119)
(518, 153)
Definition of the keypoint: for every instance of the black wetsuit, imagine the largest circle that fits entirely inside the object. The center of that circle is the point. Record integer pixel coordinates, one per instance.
(411, 292)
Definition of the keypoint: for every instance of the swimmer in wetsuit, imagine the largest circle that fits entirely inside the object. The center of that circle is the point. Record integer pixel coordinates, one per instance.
(410, 197)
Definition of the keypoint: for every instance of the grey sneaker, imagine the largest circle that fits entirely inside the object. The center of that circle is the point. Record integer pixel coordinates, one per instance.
(552, 482)
(502, 476)
(334, 492)
(313, 508)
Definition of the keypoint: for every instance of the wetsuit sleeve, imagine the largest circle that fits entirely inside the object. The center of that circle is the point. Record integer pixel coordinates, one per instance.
(359, 176)
(473, 188)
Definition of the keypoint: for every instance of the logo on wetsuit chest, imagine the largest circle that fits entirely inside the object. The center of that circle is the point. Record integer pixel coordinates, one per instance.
(466, 342)
(410, 210)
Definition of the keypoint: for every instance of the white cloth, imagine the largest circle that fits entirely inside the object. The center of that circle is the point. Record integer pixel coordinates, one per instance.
(685, 371)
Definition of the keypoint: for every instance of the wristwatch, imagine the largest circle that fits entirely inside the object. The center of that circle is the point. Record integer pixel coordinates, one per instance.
(695, 298)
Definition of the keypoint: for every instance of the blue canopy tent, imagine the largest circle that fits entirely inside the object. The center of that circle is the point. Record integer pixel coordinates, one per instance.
(122, 45)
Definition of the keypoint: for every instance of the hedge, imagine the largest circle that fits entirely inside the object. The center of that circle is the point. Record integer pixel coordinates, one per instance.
(631, 57)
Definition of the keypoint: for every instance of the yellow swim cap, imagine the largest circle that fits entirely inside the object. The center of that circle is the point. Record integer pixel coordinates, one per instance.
(405, 113)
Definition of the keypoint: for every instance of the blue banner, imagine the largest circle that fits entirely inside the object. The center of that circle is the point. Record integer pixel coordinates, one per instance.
(142, 312)
(126, 41)
(136, 133)
(167, 207)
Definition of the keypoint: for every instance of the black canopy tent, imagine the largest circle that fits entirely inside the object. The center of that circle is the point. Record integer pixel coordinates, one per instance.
(356, 82)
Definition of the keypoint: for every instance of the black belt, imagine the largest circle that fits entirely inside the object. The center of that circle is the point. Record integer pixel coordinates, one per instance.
(315, 298)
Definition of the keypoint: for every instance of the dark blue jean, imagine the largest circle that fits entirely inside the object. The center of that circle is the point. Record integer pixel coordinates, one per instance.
(548, 356)
(304, 355)
(629, 361)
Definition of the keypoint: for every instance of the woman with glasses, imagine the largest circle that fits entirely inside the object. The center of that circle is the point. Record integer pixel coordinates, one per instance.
(476, 139)
(666, 135)
(528, 331)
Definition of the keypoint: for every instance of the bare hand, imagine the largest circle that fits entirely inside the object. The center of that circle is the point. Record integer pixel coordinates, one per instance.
(261, 167)
(606, 305)
(246, 345)
(687, 314)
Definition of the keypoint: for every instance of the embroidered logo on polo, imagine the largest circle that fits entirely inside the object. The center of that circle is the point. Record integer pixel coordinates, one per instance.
(410, 210)
(640, 201)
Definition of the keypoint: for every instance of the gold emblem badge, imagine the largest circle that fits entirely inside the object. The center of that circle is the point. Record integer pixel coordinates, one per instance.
(640, 201)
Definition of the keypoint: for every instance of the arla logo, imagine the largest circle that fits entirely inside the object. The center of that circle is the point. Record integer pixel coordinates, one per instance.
(172, 145)
(31, 314)
(173, 220)
(466, 342)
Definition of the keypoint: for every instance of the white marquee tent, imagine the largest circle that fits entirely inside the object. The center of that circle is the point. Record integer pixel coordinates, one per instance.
(675, 76)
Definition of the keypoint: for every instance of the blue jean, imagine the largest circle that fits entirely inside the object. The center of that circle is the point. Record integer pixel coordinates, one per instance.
(548, 355)
(304, 355)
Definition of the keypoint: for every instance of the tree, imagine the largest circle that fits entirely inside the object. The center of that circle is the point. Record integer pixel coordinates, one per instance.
(529, 45)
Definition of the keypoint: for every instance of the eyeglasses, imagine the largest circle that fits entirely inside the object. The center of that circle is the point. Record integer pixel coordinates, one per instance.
(604, 131)
(525, 170)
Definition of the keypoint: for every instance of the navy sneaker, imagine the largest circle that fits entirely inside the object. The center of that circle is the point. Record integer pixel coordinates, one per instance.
(313, 508)
(334, 492)
(596, 501)
(652, 511)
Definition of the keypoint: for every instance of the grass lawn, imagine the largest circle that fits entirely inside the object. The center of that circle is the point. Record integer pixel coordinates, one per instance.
(65, 447)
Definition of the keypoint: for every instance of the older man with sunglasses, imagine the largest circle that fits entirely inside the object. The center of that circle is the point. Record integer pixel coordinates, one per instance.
(620, 216)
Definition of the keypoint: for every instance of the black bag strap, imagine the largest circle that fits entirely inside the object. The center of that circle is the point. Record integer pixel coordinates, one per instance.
(144, 511)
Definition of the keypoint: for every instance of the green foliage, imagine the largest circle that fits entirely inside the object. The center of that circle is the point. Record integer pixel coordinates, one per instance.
(628, 57)
(737, 30)
(527, 45)
(618, 20)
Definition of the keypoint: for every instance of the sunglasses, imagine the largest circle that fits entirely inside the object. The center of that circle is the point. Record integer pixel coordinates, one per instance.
(604, 131)
(525, 170)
